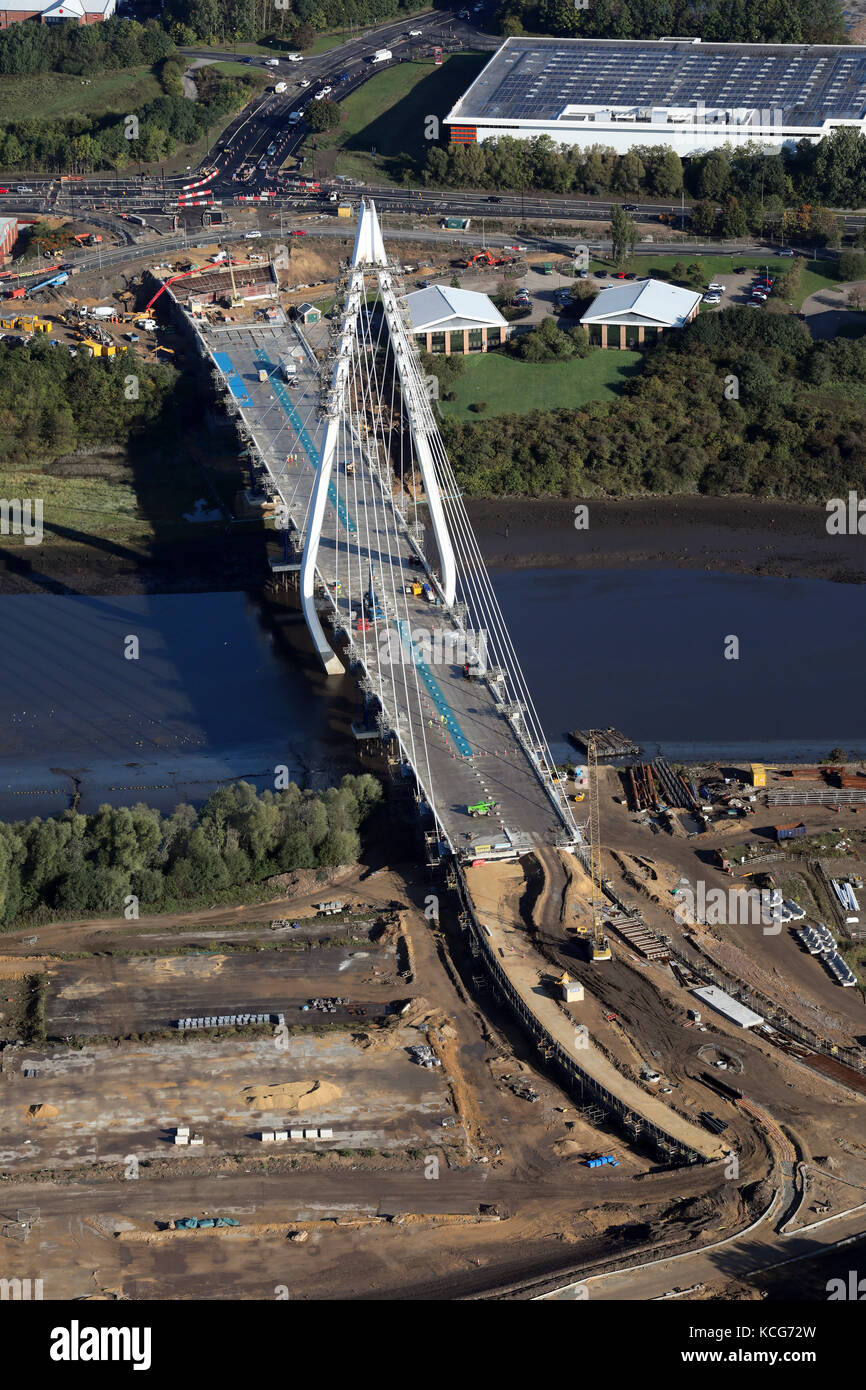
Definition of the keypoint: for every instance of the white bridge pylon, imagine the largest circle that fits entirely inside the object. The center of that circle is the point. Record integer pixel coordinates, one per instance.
(356, 361)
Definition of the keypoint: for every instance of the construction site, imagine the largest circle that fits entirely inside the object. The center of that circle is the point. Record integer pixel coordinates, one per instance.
(554, 1044)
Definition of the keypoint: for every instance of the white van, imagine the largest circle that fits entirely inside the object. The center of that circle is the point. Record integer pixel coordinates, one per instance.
(272, 62)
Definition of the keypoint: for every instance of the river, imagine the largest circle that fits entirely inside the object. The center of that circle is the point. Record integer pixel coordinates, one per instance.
(644, 650)
(213, 695)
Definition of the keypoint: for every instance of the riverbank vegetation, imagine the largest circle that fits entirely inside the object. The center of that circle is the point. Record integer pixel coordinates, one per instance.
(738, 402)
(77, 403)
(125, 859)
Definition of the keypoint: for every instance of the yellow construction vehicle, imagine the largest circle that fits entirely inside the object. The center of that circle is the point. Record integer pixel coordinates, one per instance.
(600, 944)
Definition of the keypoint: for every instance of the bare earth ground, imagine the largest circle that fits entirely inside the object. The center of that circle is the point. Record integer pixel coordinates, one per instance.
(513, 1197)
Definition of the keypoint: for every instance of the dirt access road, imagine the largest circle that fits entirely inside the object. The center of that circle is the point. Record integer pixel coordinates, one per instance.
(377, 889)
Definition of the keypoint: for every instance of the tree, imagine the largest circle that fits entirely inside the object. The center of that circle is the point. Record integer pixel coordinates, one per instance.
(622, 232)
(852, 266)
(704, 217)
(734, 222)
(787, 286)
(323, 115)
(667, 176)
(714, 176)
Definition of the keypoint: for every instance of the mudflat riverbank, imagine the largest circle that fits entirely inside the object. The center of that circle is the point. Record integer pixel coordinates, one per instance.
(725, 535)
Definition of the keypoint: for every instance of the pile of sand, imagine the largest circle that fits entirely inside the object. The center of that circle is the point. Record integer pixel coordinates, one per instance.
(42, 1112)
(568, 1148)
(291, 1096)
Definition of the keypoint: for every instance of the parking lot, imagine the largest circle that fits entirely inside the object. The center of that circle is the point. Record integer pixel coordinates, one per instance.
(737, 287)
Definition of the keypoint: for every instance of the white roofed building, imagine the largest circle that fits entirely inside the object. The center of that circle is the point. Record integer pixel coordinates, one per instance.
(676, 92)
(449, 320)
(58, 11)
(624, 315)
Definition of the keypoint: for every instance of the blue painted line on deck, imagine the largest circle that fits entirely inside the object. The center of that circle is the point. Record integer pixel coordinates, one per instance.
(461, 742)
(235, 382)
(282, 395)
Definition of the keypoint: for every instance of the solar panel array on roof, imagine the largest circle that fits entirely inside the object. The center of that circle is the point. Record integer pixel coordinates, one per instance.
(531, 79)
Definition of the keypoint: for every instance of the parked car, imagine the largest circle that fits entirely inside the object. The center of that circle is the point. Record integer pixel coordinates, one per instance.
(4, 190)
(620, 275)
(715, 288)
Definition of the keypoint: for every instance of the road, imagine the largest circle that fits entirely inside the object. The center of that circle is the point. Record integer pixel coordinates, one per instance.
(265, 123)
(736, 1258)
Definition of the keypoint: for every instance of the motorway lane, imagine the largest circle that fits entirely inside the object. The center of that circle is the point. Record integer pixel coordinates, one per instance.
(242, 140)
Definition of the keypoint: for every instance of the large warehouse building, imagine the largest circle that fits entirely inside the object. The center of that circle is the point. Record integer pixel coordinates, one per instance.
(690, 95)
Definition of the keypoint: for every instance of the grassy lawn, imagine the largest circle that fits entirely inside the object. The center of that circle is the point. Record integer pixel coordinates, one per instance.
(388, 114)
(49, 96)
(511, 387)
(233, 70)
(817, 275)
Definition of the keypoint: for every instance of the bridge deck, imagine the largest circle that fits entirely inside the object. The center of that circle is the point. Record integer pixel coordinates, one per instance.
(465, 748)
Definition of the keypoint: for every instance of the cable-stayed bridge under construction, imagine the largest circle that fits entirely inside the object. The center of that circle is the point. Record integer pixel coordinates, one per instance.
(349, 447)
(340, 431)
